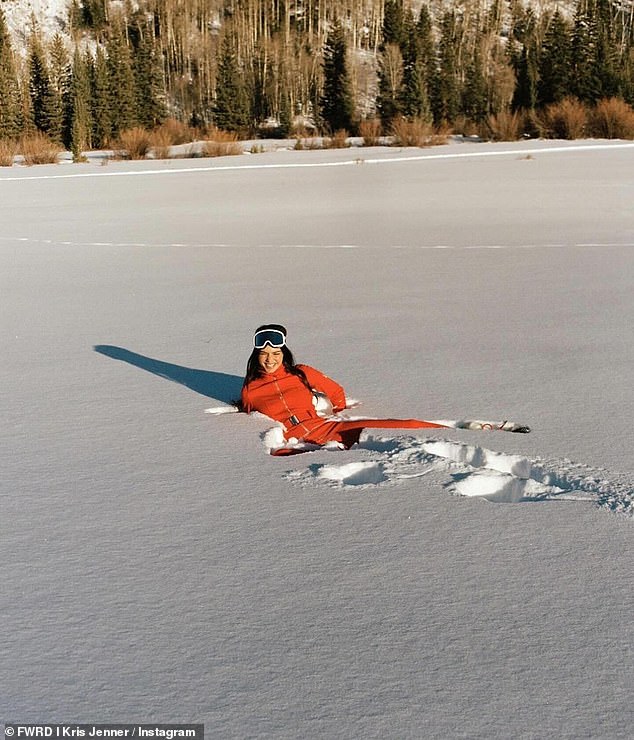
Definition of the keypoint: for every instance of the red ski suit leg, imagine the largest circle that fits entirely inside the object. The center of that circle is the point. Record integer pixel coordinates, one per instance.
(348, 432)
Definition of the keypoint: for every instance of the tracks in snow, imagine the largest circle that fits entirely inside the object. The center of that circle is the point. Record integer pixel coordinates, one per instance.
(473, 471)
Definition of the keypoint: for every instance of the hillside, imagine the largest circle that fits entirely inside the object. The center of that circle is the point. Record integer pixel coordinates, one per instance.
(51, 16)
(98, 67)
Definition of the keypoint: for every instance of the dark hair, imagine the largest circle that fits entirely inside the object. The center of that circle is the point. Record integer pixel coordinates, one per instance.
(253, 365)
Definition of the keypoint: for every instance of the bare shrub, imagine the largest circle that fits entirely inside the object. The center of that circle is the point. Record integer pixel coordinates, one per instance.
(301, 131)
(339, 140)
(465, 126)
(221, 144)
(212, 133)
(534, 125)
(504, 126)
(566, 120)
(612, 118)
(133, 143)
(220, 148)
(312, 143)
(160, 143)
(416, 132)
(8, 150)
(175, 132)
(38, 148)
(370, 131)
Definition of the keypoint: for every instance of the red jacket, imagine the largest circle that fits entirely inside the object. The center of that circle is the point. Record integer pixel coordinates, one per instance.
(282, 396)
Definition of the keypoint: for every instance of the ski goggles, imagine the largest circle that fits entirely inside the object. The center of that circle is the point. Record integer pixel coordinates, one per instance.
(269, 336)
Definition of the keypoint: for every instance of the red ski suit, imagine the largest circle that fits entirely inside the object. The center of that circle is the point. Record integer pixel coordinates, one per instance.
(282, 396)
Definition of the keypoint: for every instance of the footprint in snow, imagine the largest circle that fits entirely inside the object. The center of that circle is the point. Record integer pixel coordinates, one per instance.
(473, 471)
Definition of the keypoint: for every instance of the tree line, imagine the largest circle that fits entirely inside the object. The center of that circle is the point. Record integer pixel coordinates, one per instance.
(251, 66)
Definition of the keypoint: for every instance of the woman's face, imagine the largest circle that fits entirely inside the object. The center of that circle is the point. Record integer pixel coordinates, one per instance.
(270, 359)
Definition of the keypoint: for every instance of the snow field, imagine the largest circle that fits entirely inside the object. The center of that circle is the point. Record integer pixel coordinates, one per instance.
(158, 565)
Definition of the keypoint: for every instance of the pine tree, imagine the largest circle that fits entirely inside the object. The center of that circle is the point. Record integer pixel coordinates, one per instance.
(60, 76)
(607, 62)
(100, 99)
(413, 93)
(445, 93)
(628, 72)
(474, 96)
(336, 104)
(230, 108)
(524, 55)
(389, 100)
(149, 80)
(393, 31)
(285, 115)
(526, 72)
(46, 104)
(260, 72)
(9, 88)
(555, 62)
(425, 45)
(81, 115)
(90, 14)
(121, 88)
(585, 82)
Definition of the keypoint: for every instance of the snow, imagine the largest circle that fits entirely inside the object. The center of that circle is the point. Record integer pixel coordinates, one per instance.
(51, 17)
(158, 565)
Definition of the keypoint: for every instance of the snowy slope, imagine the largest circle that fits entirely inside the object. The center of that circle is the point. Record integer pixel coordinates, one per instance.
(51, 17)
(157, 565)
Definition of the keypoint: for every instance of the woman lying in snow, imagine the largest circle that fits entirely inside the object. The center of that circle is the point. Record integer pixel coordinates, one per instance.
(275, 386)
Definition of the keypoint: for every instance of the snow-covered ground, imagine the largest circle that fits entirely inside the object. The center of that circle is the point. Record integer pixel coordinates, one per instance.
(158, 566)
(51, 17)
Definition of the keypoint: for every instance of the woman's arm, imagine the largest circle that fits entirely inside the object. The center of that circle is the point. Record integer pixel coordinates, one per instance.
(244, 401)
(324, 384)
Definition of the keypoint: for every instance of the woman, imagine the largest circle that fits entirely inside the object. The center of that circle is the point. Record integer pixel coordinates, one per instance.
(275, 386)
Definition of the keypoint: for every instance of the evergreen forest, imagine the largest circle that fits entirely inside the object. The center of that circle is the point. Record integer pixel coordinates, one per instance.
(272, 68)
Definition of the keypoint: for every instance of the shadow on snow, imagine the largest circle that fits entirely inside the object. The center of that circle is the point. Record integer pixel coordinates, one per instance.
(219, 386)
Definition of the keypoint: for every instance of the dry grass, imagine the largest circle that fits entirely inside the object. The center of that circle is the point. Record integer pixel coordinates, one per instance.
(302, 132)
(37, 148)
(170, 133)
(339, 140)
(133, 143)
(504, 126)
(221, 144)
(160, 143)
(311, 143)
(416, 132)
(567, 119)
(464, 126)
(612, 118)
(370, 131)
(534, 126)
(175, 132)
(221, 148)
(8, 150)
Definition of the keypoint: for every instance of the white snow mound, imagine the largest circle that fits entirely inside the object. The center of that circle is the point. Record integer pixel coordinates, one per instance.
(473, 471)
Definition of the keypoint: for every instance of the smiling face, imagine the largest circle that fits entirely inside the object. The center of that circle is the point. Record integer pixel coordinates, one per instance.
(270, 359)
